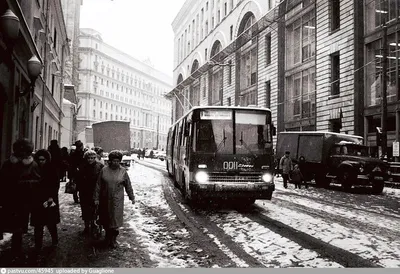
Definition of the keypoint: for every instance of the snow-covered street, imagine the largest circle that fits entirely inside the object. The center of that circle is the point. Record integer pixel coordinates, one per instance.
(319, 228)
(365, 226)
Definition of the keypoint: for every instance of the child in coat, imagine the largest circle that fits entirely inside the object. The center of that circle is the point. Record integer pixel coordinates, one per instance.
(297, 177)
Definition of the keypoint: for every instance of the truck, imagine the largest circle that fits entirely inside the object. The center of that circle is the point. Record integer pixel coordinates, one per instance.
(112, 135)
(327, 157)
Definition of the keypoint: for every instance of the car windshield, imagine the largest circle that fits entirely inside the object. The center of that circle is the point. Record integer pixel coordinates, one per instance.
(354, 150)
(215, 133)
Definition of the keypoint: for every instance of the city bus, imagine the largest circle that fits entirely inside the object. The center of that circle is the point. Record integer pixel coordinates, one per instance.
(220, 152)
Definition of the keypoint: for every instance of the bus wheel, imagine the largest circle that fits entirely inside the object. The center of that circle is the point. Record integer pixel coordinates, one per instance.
(377, 187)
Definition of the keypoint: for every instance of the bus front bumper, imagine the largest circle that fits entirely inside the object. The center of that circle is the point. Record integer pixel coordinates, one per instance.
(220, 190)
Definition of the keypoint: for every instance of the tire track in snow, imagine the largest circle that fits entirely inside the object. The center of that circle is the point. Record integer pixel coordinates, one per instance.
(202, 228)
(338, 204)
(350, 223)
(336, 254)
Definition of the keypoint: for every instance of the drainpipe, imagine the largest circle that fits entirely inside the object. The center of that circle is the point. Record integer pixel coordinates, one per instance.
(61, 92)
(46, 31)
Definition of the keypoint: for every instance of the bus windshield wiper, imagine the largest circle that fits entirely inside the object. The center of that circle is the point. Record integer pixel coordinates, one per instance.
(220, 143)
(243, 143)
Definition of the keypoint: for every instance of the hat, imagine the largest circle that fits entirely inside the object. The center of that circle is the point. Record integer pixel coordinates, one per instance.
(78, 143)
(22, 147)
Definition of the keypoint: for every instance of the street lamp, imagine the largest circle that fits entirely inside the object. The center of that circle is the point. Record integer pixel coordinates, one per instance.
(34, 70)
(9, 23)
(9, 26)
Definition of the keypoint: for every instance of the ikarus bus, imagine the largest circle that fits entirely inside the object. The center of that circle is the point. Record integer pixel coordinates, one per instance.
(222, 153)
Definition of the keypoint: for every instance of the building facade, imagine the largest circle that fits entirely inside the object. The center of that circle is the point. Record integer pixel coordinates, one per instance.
(116, 86)
(27, 111)
(315, 64)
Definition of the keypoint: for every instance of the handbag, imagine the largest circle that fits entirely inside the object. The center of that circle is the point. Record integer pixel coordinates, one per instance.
(70, 187)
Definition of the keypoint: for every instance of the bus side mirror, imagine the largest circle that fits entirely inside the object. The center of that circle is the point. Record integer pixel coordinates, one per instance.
(273, 130)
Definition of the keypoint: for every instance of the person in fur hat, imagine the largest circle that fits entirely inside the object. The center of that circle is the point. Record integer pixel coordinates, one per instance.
(20, 177)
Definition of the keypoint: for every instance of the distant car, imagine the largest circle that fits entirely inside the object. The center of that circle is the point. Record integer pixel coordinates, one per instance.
(160, 155)
(127, 161)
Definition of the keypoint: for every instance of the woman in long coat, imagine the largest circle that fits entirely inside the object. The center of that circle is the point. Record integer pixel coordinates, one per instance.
(45, 209)
(19, 176)
(86, 181)
(109, 195)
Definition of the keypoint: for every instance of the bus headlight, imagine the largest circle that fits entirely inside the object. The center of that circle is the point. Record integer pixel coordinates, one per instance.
(267, 177)
(201, 177)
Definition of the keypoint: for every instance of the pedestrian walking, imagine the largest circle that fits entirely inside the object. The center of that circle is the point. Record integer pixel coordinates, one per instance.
(304, 170)
(286, 166)
(45, 208)
(20, 176)
(296, 176)
(109, 196)
(64, 164)
(86, 182)
(55, 153)
(76, 160)
(99, 152)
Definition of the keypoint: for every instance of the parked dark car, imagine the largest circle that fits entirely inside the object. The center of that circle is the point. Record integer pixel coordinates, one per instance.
(332, 156)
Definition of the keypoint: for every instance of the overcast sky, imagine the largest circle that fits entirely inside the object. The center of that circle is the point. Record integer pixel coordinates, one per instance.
(140, 28)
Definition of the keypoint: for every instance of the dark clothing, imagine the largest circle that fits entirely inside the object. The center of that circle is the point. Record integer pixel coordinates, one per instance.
(55, 152)
(285, 178)
(86, 182)
(297, 177)
(75, 161)
(19, 183)
(48, 188)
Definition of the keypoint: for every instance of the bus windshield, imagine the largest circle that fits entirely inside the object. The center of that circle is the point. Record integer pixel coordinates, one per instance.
(215, 133)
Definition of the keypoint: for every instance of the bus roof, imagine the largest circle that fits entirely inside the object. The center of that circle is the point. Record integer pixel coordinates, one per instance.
(219, 107)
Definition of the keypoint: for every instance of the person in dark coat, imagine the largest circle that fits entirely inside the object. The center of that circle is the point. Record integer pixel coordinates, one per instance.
(86, 181)
(76, 160)
(20, 176)
(55, 153)
(45, 209)
(296, 177)
(109, 196)
(64, 164)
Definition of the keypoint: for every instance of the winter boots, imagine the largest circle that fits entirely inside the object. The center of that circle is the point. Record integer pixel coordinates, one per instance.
(111, 238)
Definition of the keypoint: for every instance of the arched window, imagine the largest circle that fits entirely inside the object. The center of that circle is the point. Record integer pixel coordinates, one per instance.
(195, 66)
(216, 48)
(248, 20)
(180, 79)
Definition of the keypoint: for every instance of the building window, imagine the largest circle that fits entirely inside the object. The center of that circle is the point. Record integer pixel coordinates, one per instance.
(55, 38)
(335, 14)
(229, 101)
(101, 115)
(379, 12)
(230, 72)
(335, 125)
(248, 67)
(225, 9)
(335, 73)
(94, 102)
(216, 87)
(268, 49)
(300, 95)
(268, 94)
(94, 113)
(374, 70)
(231, 32)
(205, 54)
(53, 82)
(301, 40)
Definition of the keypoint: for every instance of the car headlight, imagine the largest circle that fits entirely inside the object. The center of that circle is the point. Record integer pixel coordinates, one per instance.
(361, 169)
(267, 177)
(201, 177)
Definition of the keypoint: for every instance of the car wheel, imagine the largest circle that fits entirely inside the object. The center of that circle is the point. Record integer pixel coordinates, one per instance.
(377, 187)
(345, 180)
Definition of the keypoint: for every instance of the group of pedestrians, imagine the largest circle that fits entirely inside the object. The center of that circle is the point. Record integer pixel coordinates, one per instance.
(30, 183)
(292, 172)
